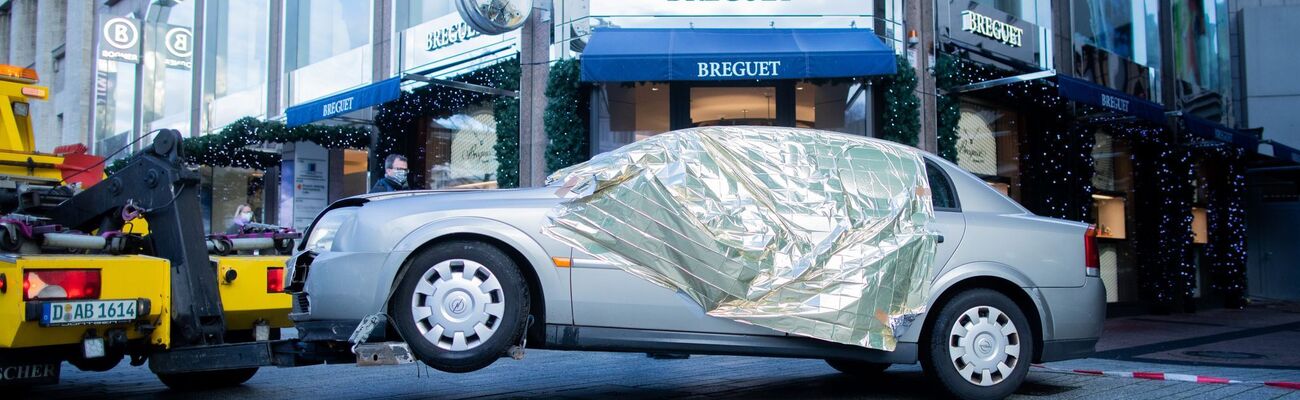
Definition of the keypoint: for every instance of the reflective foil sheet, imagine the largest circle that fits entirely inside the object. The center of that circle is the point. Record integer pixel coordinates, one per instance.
(807, 232)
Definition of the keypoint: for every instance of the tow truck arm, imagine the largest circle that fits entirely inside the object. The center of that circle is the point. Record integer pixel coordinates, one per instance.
(156, 185)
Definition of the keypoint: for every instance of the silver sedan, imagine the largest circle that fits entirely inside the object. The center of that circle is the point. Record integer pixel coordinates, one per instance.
(462, 277)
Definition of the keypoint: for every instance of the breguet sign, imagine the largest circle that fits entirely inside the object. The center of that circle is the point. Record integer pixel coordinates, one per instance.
(991, 28)
(982, 28)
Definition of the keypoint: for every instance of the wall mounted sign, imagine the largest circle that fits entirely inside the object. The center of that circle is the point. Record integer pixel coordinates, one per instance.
(982, 25)
(983, 29)
(119, 39)
(449, 35)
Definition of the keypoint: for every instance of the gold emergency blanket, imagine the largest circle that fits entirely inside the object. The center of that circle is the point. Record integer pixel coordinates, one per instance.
(806, 232)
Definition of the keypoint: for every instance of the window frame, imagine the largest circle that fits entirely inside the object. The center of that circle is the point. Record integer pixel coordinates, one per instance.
(947, 180)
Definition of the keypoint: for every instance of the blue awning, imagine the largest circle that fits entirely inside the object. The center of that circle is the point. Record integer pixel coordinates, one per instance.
(1093, 94)
(342, 103)
(632, 55)
(1212, 131)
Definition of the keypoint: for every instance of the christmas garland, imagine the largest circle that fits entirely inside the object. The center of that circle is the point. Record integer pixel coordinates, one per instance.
(398, 121)
(901, 118)
(229, 146)
(1163, 189)
(1225, 254)
(949, 108)
(566, 117)
(506, 112)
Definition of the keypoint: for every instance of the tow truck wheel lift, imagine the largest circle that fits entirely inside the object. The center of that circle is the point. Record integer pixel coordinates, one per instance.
(156, 184)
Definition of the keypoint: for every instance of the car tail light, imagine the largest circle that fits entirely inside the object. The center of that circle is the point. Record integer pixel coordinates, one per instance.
(69, 284)
(275, 280)
(1091, 263)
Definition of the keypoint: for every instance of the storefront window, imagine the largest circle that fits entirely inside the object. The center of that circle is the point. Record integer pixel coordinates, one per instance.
(355, 164)
(627, 113)
(988, 146)
(1112, 189)
(223, 190)
(114, 116)
(839, 107)
(166, 97)
(458, 150)
(326, 47)
(235, 57)
(725, 106)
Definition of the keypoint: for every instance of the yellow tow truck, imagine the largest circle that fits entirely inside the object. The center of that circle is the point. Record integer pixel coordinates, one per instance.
(85, 279)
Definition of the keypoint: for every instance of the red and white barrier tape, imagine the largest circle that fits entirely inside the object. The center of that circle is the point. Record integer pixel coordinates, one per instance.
(1161, 376)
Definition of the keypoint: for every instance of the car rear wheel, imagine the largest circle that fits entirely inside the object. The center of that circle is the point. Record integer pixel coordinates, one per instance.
(205, 380)
(460, 305)
(859, 369)
(980, 346)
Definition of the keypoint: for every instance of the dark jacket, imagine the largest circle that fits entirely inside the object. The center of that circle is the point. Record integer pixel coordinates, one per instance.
(387, 184)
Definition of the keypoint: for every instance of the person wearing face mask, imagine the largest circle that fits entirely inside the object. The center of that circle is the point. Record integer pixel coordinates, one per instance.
(394, 175)
(243, 215)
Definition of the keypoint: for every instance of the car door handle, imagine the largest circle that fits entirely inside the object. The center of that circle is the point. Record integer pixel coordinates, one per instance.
(939, 238)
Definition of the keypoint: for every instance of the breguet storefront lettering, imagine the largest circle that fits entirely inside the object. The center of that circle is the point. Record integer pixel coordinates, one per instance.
(749, 69)
(991, 28)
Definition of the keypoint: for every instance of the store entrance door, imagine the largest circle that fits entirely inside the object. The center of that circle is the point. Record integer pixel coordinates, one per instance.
(763, 103)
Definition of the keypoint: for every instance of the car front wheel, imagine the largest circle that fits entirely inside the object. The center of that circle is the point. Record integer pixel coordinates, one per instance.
(980, 346)
(460, 305)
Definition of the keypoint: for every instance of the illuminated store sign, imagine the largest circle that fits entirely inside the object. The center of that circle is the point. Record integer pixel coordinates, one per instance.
(986, 26)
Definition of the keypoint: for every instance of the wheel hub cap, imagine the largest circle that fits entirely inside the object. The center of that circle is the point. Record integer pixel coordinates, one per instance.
(984, 345)
(457, 305)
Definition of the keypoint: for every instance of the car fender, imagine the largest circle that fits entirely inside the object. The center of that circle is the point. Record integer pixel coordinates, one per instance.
(555, 286)
(951, 277)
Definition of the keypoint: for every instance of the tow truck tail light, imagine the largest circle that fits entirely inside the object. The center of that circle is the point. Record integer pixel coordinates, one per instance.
(1092, 262)
(71, 284)
(275, 280)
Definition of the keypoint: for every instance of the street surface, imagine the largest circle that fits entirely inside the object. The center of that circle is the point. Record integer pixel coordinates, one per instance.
(570, 375)
(1256, 344)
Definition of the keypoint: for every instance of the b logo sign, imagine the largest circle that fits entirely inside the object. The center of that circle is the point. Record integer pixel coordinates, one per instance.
(119, 40)
(179, 43)
(121, 33)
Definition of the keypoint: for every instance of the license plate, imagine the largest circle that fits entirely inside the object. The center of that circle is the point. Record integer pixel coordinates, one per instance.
(57, 313)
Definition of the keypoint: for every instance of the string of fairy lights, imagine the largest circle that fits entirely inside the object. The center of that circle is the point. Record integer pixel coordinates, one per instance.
(231, 146)
(1056, 169)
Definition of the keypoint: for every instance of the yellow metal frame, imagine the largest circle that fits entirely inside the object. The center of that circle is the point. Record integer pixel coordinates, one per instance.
(121, 278)
(18, 157)
(245, 300)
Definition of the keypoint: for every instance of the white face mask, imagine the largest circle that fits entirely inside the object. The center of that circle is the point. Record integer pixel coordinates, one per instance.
(399, 175)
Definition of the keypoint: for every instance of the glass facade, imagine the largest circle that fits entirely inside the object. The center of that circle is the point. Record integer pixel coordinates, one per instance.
(1117, 44)
(166, 97)
(114, 115)
(326, 47)
(235, 52)
(1202, 67)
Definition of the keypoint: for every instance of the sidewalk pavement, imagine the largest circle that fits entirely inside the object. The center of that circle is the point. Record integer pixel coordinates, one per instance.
(1254, 344)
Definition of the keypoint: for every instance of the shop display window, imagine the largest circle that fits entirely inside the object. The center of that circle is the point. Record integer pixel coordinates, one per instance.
(625, 113)
(988, 145)
(1200, 226)
(458, 151)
